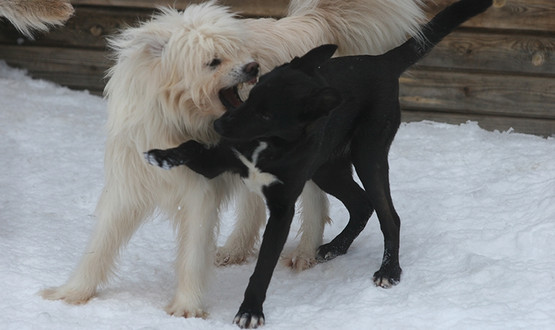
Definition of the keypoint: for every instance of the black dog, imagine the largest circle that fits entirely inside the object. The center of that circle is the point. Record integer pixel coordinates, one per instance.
(313, 119)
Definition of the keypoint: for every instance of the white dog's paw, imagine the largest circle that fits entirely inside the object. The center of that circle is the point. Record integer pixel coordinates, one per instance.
(225, 257)
(69, 295)
(299, 261)
(178, 310)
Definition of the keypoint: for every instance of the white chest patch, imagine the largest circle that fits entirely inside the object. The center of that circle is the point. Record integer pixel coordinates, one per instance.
(256, 179)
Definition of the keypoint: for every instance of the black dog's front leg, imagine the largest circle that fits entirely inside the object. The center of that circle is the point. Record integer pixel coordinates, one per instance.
(282, 209)
(209, 162)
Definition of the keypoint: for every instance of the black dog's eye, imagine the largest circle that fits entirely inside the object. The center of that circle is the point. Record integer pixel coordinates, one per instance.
(215, 62)
(264, 116)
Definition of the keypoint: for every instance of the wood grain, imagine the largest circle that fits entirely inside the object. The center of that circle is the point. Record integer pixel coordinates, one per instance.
(274, 8)
(461, 92)
(74, 68)
(494, 52)
(530, 15)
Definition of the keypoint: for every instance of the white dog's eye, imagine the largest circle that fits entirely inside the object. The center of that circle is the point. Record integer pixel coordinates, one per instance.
(215, 62)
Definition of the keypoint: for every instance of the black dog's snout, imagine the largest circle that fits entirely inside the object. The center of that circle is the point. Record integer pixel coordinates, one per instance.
(252, 68)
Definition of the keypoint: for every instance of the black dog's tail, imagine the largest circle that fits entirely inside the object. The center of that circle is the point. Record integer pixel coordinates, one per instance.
(440, 26)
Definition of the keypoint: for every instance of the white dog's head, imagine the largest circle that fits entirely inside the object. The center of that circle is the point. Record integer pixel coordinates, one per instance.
(179, 62)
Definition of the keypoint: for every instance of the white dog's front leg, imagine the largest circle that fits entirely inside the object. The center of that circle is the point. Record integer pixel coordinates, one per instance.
(314, 216)
(195, 225)
(251, 215)
(117, 221)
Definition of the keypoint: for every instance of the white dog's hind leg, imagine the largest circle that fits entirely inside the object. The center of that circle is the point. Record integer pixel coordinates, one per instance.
(195, 225)
(251, 215)
(315, 210)
(116, 223)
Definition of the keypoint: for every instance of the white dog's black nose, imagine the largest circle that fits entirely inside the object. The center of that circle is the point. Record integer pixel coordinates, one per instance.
(251, 69)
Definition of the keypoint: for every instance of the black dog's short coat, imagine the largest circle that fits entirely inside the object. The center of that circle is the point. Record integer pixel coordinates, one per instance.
(314, 118)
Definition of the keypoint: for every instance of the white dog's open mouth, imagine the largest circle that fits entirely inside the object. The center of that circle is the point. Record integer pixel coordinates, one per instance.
(230, 97)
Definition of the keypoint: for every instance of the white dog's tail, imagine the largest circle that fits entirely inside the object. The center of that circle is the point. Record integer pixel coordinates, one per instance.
(365, 26)
(29, 15)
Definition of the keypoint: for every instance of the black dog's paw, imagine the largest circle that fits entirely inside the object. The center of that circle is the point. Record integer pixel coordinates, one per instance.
(329, 251)
(247, 320)
(159, 158)
(387, 276)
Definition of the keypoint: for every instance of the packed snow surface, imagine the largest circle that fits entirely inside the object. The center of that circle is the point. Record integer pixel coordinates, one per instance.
(477, 236)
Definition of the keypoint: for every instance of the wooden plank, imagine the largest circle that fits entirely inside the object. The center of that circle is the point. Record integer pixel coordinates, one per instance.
(533, 15)
(457, 92)
(491, 94)
(465, 50)
(91, 25)
(542, 127)
(275, 8)
(75, 68)
(88, 28)
(72, 80)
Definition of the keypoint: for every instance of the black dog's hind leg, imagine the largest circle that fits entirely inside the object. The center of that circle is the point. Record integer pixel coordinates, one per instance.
(370, 148)
(337, 179)
(209, 162)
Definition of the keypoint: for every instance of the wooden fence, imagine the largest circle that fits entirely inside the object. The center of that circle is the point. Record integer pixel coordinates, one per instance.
(498, 69)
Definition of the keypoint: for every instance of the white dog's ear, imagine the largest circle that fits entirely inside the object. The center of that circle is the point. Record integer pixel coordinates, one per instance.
(141, 40)
(155, 42)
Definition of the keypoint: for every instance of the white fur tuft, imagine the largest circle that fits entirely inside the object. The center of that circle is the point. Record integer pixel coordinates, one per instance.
(27, 15)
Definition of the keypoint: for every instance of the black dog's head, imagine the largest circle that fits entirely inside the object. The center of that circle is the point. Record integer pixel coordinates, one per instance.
(284, 101)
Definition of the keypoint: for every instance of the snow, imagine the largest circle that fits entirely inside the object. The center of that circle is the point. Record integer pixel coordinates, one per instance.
(477, 245)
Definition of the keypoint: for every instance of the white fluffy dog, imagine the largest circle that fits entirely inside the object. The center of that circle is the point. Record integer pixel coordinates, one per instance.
(28, 15)
(164, 89)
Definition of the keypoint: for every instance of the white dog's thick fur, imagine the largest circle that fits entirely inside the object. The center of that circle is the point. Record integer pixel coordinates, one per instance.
(163, 90)
(29, 15)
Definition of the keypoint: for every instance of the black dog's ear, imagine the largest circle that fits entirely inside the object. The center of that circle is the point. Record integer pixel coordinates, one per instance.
(321, 103)
(314, 58)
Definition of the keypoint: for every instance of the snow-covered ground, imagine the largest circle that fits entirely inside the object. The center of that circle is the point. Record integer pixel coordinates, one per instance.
(477, 240)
